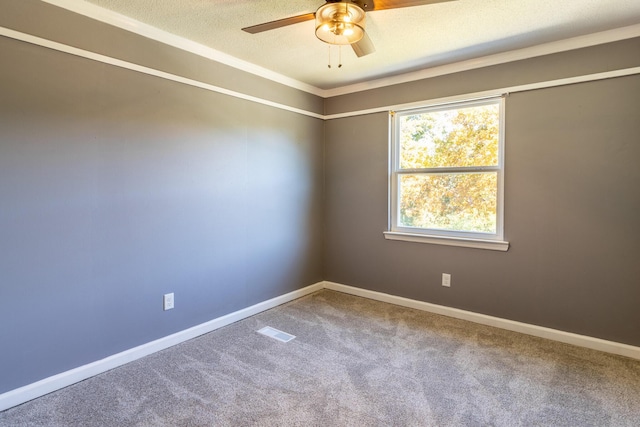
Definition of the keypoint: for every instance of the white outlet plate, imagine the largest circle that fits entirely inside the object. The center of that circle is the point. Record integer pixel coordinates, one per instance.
(446, 280)
(168, 301)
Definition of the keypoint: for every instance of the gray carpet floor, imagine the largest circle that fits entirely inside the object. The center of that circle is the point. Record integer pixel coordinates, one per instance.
(355, 362)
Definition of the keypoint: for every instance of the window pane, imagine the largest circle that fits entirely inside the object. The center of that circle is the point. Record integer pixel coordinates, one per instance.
(467, 136)
(460, 202)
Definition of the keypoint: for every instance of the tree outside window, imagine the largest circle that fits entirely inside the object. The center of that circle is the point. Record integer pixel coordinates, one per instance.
(447, 170)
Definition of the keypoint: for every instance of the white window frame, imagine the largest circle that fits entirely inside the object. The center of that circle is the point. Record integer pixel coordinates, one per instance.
(435, 236)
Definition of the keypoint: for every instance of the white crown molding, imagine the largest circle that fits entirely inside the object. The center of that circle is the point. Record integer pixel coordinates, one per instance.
(594, 39)
(113, 18)
(490, 93)
(121, 21)
(38, 41)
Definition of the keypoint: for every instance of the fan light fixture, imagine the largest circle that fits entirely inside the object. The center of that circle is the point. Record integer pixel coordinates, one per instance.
(340, 23)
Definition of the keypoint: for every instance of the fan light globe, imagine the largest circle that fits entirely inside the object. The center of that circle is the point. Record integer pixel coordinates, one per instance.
(340, 23)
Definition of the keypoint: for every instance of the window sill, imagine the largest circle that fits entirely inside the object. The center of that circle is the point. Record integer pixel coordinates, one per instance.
(493, 245)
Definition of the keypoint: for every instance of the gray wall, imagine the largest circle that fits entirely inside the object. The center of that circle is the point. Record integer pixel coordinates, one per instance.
(572, 205)
(117, 187)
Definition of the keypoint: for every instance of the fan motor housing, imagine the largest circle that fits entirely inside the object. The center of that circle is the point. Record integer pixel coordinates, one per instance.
(340, 22)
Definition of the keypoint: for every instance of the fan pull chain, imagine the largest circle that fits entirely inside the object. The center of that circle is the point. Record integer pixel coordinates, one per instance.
(339, 57)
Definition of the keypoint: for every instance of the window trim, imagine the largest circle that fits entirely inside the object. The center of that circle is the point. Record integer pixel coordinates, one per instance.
(445, 237)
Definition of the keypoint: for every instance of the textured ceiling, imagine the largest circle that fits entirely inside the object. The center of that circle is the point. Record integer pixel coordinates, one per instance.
(406, 39)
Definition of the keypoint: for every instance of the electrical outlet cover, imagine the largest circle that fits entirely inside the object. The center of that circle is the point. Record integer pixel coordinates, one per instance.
(446, 280)
(168, 301)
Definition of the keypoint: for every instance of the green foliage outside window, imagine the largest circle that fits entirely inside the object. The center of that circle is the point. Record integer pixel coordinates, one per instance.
(433, 196)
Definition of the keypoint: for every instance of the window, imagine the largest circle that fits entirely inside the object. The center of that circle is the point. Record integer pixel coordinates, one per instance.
(447, 174)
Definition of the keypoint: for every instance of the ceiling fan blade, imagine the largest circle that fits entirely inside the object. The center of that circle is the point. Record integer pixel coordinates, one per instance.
(279, 23)
(364, 46)
(395, 4)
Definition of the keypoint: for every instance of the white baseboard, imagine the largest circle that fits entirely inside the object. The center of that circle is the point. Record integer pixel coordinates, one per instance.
(40, 388)
(525, 328)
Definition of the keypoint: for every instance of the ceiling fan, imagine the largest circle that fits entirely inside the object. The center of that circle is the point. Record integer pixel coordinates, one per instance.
(342, 22)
